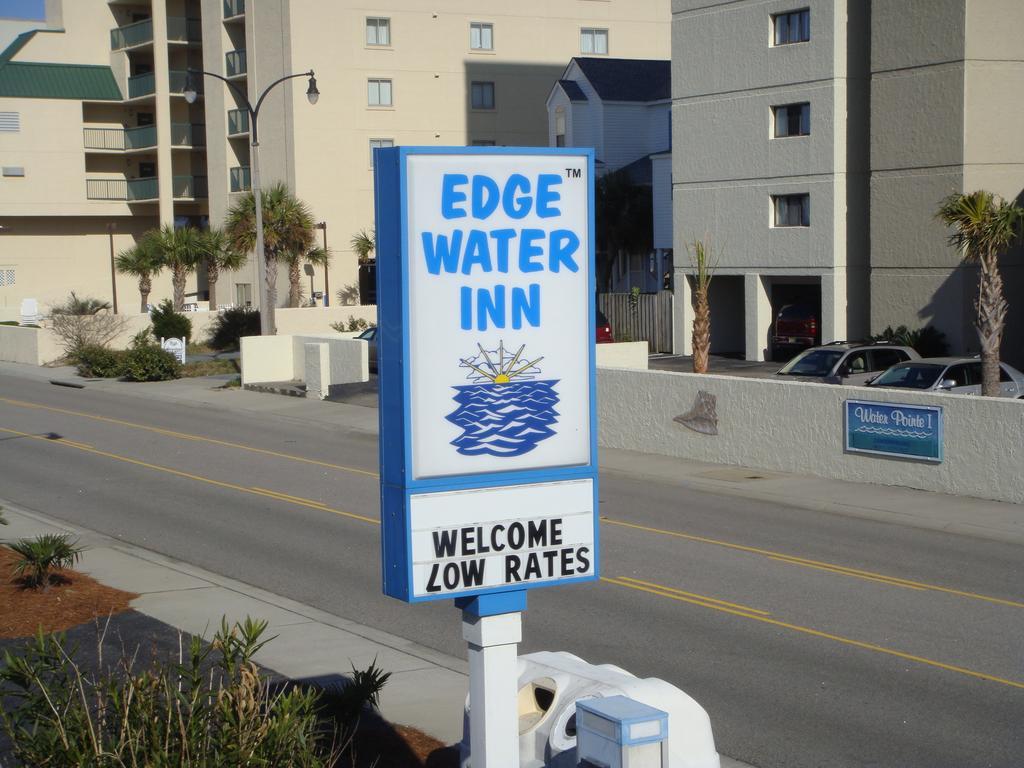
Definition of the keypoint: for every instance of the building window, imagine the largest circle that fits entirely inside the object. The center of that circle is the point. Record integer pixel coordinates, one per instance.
(792, 120)
(483, 142)
(378, 93)
(481, 36)
(792, 210)
(14, 171)
(10, 122)
(560, 127)
(243, 294)
(593, 41)
(378, 31)
(6, 277)
(483, 95)
(379, 144)
(792, 27)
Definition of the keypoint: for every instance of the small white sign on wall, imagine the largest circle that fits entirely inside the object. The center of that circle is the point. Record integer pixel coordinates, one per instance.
(175, 346)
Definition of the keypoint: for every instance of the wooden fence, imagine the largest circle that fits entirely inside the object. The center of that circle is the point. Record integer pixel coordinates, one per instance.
(646, 317)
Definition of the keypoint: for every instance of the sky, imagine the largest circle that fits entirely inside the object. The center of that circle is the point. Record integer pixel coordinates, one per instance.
(22, 9)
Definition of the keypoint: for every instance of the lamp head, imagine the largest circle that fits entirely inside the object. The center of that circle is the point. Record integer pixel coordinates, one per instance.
(312, 93)
(191, 90)
(321, 225)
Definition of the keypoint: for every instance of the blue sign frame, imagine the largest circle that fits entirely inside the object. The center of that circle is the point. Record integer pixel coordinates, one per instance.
(894, 430)
(397, 485)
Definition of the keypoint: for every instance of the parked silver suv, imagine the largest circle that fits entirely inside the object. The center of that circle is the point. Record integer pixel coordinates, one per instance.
(845, 362)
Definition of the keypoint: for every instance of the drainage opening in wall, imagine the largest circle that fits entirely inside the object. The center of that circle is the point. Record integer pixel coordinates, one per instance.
(535, 700)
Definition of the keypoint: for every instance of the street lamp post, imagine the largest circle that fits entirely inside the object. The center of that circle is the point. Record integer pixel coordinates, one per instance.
(313, 94)
(327, 284)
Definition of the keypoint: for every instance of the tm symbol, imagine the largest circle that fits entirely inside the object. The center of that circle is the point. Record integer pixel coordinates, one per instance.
(573, 173)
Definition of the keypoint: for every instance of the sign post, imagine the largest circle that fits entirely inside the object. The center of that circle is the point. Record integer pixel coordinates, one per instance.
(488, 439)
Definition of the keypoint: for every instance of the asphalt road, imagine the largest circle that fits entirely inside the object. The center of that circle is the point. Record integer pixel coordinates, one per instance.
(812, 639)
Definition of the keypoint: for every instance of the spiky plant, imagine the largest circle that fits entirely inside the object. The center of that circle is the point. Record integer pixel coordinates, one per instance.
(41, 556)
(364, 244)
(703, 269)
(984, 225)
(316, 256)
(179, 250)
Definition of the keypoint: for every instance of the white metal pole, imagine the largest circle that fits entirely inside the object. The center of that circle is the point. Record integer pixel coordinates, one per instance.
(493, 688)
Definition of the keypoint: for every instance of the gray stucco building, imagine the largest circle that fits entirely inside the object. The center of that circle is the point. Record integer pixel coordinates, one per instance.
(815, 141)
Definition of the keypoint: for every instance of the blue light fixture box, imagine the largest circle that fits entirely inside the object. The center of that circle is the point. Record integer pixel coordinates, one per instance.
(486, 359)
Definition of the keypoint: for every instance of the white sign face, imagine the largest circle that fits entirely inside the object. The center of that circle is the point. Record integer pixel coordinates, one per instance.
(176, 347)
(495, 537)
(499, 325)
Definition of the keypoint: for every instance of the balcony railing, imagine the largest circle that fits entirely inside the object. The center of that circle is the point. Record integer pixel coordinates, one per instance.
(181, 30)
(141, 85)
(235, 63)
(233, 8)
(188, 135)
(142, 137)
(104, 138)
(240, 179)
(178, 79)
(189, 187)
(238, 122)
(130, 190)
(130, 35)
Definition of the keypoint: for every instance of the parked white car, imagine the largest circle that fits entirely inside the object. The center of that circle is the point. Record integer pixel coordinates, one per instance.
(844, 362)
(959, 375)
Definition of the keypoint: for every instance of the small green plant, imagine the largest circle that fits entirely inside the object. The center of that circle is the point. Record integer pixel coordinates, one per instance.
(42, 556)
(146, 361)
(82, 321)
(211, 708)
(94, 361)
(231, 325)
(168, 324)
(353, 324)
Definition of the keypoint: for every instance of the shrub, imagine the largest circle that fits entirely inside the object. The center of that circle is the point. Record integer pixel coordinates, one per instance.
(231, 325)
(212, 708)
(81, 322)
(41, 556)
(168, 324)
(927, 341)
(94, 361)
(146, 361)
(354, 324)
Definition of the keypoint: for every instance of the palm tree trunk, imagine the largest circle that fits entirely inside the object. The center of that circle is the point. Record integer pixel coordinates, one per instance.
(271, 296)
(991, 313)
(294, 284)
(178, 277)
(701, 330)
(212, 273)
(145, 286)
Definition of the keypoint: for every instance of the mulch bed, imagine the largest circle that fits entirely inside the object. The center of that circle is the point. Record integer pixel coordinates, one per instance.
(76, 600)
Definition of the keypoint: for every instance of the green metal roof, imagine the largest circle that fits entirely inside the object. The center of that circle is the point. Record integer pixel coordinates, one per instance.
(38, 80)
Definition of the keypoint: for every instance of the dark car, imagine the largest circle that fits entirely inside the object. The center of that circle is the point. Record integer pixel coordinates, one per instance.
(370, 337)
(604, 329)
(796, 327)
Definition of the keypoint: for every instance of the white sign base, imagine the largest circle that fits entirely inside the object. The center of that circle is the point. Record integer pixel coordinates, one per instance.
(493, 688)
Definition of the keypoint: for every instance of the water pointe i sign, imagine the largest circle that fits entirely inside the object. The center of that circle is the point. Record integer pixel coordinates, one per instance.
(486, 360)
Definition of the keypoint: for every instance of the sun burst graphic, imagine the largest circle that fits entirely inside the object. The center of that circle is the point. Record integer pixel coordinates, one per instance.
(498, 366)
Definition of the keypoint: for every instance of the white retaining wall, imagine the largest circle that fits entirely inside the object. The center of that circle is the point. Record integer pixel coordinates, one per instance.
(625, 354)
(797, 427)
(318, 360)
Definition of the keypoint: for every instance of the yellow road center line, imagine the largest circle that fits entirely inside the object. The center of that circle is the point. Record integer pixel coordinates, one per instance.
(190, 476)
(289, 497)
(892, 582)
(804, 561)
(825, 635)
(186, 436)
(694, 595)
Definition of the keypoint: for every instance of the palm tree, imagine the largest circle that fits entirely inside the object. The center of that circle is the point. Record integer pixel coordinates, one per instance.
(218, 255)
(984, 225)
(316, 256)
(179, 249)
(287, 229)
(623, 221)
(143, 262)
(364, 244)
(703, 270)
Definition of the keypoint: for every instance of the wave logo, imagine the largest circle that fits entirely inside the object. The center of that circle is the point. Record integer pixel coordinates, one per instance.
(507, 410)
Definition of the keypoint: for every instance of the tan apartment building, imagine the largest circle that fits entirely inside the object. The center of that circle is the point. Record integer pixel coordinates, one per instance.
(94, 153)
